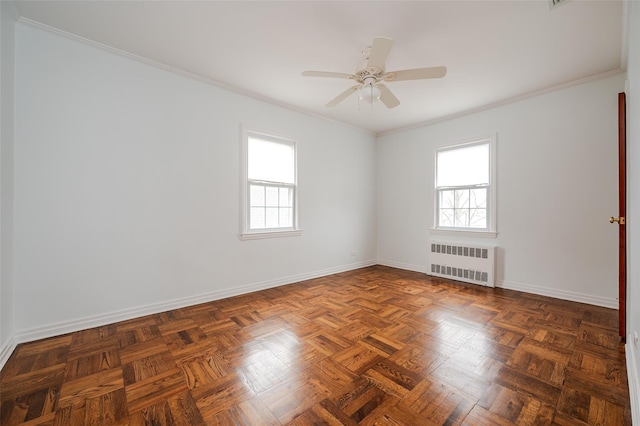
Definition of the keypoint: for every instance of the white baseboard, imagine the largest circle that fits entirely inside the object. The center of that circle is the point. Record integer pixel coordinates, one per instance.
(400, 265)
(36, 333)
(7, 349)
(64, 327)
(633, 379)
(526, 288)
(559, 294)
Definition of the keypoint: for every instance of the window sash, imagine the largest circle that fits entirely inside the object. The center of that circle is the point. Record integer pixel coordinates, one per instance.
(283, 220)
(458, 211)
(276, 209)
(487, 215)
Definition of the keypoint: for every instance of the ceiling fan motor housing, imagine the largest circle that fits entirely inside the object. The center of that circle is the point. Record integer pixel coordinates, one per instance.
(372, 72)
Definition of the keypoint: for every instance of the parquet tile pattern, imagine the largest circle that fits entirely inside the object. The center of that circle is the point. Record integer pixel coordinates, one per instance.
(375, 346)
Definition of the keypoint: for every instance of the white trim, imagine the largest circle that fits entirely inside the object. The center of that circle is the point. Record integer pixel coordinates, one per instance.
(633, 380)
(525, 288)
(184, 73)
(559, 294)
(245, 232)
(290, 107)
(64, 327)
(269, 234)
(492, 208)
(463, 233)
(7, 349)
(503, 102)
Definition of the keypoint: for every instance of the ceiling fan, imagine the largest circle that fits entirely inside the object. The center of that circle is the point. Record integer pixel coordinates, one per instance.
(370, 78)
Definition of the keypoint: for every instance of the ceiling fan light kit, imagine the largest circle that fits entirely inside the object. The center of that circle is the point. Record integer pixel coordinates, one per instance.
(370, 79)
(369, 92)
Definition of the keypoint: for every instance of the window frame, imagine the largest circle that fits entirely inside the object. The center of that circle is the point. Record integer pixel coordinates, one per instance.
(246, 233)
(491, 210)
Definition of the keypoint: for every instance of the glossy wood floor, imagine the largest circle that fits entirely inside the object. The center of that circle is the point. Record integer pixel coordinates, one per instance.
(372, 346)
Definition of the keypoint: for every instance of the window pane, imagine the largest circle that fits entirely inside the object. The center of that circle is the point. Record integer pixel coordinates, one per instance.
(478, 218)
(286, 220)
(446, 217)
(271, 196)
(271, 217)
(256, 195)
(468, 165)
(462, 199)
(270, 161)
(256, 218)
(462, 218)
(478, 198)
(285, 197)
(446, 199)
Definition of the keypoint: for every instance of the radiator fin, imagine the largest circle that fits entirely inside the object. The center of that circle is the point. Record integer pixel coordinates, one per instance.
(462, 262)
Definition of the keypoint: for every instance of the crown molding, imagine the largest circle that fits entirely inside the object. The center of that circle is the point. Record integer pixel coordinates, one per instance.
(284, 105)
(506, 101)
(184, 73)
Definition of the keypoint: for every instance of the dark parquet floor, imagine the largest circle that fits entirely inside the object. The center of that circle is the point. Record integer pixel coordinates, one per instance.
(375, 346)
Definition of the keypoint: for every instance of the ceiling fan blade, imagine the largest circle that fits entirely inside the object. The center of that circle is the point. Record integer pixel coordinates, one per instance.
(326, 74)
(379, 51)
(416, 74)
(342, 96)
(387, 98)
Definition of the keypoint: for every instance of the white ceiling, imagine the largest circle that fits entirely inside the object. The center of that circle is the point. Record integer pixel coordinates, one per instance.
(494, 50)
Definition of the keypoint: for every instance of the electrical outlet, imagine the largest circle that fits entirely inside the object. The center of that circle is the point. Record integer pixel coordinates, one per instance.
(635, 338)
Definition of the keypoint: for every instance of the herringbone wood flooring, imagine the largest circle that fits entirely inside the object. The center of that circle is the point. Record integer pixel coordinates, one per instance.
(372, 346)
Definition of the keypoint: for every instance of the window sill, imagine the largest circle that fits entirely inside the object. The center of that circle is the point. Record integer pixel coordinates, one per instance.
(464, 232)
(270, 234)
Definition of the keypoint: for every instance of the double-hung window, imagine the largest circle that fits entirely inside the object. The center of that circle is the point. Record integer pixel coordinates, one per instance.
(270, 190)
(465, 187)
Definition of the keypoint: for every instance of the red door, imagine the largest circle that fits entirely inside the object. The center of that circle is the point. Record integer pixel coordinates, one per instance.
(622, 213)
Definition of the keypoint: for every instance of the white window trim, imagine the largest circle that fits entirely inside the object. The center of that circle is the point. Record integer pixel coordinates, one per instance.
(492, 231)
(257, 234)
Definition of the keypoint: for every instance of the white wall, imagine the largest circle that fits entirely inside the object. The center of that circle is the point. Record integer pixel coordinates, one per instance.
(127, 190)
(7, 18)
(557, 185)
(633, 209)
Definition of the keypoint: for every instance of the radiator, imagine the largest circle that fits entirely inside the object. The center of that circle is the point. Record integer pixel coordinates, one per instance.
(462, 262)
